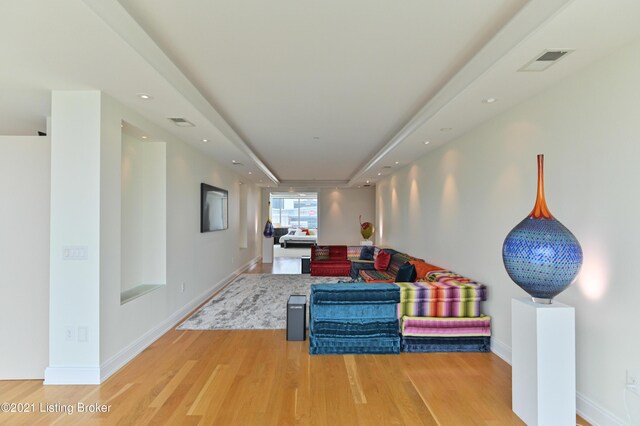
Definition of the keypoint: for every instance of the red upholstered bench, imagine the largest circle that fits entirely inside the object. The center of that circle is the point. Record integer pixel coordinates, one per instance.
(330, 261)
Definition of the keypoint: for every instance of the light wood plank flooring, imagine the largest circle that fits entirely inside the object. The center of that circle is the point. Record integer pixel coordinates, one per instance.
(251, 377)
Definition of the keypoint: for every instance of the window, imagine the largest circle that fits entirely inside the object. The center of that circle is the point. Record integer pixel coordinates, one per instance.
(292, 210)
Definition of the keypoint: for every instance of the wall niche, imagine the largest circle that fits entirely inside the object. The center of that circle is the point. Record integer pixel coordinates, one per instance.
(143, 213)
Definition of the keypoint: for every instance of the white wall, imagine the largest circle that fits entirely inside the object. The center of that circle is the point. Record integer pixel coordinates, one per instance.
(144, 201)
(201, 261)
(338, 211)
(24, 256)
(455, 206)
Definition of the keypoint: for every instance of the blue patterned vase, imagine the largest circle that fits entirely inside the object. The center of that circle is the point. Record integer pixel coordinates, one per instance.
(540, 254)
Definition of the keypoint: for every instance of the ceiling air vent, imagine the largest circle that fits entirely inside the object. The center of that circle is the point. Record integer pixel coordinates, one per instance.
(181, 122)
(545, 60)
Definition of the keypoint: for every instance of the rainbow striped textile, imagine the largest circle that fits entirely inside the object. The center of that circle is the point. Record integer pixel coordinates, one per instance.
(440, 299)
(446, 327)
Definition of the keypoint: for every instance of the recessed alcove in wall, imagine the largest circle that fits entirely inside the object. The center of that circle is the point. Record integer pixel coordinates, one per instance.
(143, 213)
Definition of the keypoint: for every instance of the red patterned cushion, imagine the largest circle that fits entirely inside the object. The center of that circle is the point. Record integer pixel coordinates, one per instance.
(382, 261)
(321, 253)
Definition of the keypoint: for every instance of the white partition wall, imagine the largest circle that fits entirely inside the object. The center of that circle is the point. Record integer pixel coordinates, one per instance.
(543, 363)
(74, 316)
(24, 250)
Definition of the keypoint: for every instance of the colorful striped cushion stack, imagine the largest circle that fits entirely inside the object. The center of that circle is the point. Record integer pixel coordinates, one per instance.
(353, 252)
(425, 334)
(440, 299)
(353, 319)
(375, 276)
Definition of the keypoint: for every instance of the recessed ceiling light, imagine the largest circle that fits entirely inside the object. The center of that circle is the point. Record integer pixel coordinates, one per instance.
(205, 140)
(145, 96)
(367, 181)
(397, 162)
(426, 142)
(446, 129)
(234, 162)
(250, 173)
(489, 100)
(143, 137)
(379, 174)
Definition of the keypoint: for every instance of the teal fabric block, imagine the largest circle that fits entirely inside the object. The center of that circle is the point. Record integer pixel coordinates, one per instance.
(337, 345)
(354, 328)
(354, 293)
(446, 344)
(346, 312)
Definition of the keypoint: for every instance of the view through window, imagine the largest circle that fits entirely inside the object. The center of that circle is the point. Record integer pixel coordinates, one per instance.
(294, 210)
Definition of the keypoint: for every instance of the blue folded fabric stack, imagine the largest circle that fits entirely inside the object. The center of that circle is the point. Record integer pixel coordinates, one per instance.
(354, 319)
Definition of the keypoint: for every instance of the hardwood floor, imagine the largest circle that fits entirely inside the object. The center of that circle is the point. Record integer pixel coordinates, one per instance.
(255, 377)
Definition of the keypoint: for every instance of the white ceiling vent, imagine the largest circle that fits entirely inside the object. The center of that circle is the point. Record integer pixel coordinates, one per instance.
(545, 60)
(181, 122)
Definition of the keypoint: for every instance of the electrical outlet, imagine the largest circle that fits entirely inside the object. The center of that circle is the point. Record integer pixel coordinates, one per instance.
(82, 334)
(182, 287)
(631, 381)
(69, 334)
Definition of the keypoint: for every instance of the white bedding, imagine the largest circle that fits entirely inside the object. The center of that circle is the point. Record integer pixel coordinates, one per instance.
(308, 239)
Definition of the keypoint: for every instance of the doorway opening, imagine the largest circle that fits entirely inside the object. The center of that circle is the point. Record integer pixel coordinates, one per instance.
(295, 219)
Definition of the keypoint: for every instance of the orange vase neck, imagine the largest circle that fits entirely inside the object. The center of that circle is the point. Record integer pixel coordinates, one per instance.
(540, 210)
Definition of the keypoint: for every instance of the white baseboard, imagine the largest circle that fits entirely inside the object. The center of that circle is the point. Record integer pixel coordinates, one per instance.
(72, 376)
(94, 376)
(502, 350)
(586, 408)
(119, 360)
(595, 414)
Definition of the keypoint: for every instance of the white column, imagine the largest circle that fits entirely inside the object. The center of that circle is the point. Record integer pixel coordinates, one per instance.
(543, 363)
(74, 306)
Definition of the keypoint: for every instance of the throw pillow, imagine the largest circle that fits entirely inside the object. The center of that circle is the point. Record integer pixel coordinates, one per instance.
(423, 268)
(292, 232)
(322, 253)
(382, 261)
(406, 273)
(366, 253)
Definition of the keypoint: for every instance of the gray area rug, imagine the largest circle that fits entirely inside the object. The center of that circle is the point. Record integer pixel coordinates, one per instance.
(253, 301)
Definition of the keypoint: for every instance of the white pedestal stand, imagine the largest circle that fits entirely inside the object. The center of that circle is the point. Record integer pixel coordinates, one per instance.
(267, 250)
(543, 382)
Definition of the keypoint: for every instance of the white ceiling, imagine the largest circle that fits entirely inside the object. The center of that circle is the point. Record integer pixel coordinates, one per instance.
(304, 94)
